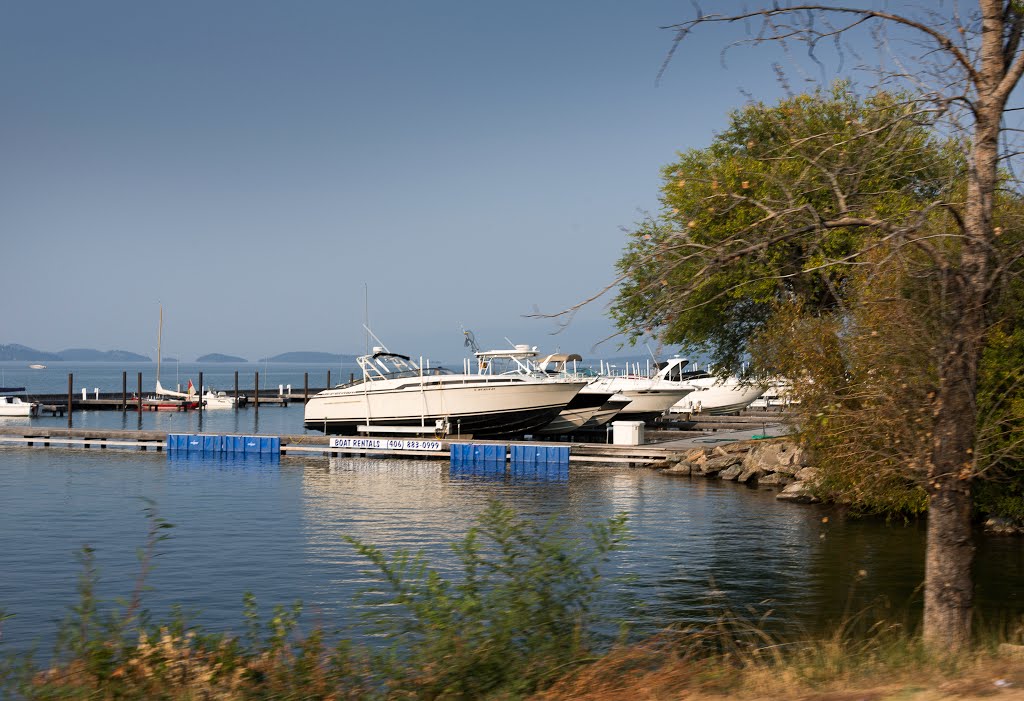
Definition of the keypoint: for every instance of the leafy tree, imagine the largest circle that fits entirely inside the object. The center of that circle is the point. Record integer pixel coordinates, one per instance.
(794, 221)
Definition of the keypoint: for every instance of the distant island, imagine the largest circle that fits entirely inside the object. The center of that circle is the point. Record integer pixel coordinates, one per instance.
(309, 357)
(16, 351)
(220, 358)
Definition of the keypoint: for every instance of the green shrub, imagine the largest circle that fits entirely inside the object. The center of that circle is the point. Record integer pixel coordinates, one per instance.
(519, 615)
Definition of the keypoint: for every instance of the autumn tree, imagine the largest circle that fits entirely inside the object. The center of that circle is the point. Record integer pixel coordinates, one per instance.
(798, 209)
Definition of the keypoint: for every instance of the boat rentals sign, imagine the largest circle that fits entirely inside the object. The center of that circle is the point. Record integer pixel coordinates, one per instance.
(386, 444)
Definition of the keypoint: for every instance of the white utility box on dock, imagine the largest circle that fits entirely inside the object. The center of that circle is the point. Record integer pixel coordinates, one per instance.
(628, 432)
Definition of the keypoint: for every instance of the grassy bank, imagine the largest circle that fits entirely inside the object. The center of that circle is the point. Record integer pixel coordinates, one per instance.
(515, 624)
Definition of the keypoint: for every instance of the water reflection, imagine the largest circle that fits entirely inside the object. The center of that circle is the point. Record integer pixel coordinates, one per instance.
(276, 528)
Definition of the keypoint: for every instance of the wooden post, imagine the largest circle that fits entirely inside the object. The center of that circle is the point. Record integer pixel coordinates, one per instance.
(328, 379)
(71, 390)
(200, 390)
(124, 391)
(140, 396)
(236, 389)
(256, 392)
(305, 387)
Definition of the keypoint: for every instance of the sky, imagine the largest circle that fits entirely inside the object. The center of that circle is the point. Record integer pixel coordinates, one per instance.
(273, 174)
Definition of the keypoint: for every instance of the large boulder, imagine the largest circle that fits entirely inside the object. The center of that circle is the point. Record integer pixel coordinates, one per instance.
(799, 492)
(679, 469)
(712, 466)
(731, 448)
(808, 474)
(750, 473)
(1001, 525)
(776, 456)
(731, 473)
(774, 479)
(696, 456)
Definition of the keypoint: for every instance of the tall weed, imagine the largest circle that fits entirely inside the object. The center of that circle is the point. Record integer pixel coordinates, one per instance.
(518, 616)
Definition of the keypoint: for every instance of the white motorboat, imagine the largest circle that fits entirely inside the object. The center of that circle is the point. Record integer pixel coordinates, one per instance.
(520, 360)
(650, 397)
(778, 395)
(714, 395)
(566, 365)
(16, 406)
(395, 394)
(37, 366)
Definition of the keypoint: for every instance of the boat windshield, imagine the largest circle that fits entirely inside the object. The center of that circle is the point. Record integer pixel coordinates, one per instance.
(388, 366)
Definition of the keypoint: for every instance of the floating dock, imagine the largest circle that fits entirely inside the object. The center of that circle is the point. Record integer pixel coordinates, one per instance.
(664, 444)
(307, 445)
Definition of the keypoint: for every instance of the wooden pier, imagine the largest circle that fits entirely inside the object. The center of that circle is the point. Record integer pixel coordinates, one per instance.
(663, 444)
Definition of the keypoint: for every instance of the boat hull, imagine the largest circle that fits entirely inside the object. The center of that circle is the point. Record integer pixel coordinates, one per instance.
(583, 407)
(18, 408)
(478, 408)
(647, 405)
(718, 398)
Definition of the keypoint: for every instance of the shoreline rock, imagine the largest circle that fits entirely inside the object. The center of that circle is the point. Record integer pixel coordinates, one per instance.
(773, 464)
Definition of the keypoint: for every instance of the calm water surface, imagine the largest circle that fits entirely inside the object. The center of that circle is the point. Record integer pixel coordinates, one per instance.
(276, 528)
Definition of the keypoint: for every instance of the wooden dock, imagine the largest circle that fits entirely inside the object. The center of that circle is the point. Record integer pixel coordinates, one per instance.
(314, 445)
(664, 441)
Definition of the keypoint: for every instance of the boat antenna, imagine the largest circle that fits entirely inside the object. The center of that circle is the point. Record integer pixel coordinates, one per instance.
(366, 317)
(470, 341)
(653, 357)
(379, 342)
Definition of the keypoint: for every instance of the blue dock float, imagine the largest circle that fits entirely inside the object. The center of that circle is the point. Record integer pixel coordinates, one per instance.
(523, 460)
(201, 443)
(474, 457)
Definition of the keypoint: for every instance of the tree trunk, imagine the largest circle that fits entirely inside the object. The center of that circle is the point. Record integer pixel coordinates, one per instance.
(949, 595)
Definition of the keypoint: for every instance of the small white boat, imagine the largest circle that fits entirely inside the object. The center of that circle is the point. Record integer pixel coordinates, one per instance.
(37, 366)
(190, 399)
(211, 399)
(16, 406)
(714, 396)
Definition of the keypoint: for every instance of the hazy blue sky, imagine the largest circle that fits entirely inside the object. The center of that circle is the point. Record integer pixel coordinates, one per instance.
(253, 166)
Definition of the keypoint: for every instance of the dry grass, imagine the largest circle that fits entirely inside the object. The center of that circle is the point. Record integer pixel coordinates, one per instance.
(660, 672)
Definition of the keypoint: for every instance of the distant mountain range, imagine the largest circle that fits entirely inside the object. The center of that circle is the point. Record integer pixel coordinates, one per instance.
(220, 358)
(15, 351)
(310, 357)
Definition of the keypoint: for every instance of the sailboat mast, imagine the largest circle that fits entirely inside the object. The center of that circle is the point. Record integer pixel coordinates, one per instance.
(159, 342)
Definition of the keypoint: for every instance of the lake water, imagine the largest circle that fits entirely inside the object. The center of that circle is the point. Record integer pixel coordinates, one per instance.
(275, 528)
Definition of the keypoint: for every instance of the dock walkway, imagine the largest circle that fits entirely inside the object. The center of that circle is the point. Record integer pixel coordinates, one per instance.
(662, 445)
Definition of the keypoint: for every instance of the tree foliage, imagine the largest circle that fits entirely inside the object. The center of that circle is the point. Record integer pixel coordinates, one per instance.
(777, 211)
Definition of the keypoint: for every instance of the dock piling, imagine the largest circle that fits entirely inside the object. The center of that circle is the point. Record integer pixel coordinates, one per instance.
(200, 390)
(124, 391)
(256, 392)
(71, 390)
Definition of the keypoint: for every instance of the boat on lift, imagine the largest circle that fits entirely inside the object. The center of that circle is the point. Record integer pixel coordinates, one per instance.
(715, 396)
(397, 395)
(520, 360)
(12, 405)
(650, 397)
